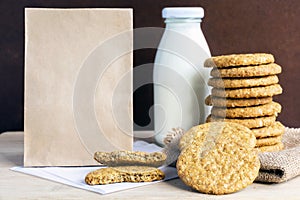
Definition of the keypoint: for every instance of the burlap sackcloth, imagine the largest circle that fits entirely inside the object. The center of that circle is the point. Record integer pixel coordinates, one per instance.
(276, 167)
(280, 166)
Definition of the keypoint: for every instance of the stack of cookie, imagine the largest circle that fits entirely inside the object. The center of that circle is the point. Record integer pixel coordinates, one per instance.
(243, 87)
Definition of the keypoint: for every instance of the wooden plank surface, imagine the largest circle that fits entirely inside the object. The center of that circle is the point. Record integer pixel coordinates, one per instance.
(14, 185)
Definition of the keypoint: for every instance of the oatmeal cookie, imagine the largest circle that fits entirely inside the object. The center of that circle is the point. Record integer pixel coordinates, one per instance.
(276, 147)
(121, 174)
(242, 82)
(268, 141)
(275, 129)
(266, 91)
(239, 60)
(120, 158)
(222, 162)
(268, 109)
(247, 71)
(256, 122)
(231, 103)
(216, 127)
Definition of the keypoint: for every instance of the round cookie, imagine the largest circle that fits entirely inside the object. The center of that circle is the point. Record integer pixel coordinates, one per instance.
(221, 162)
(265, 91)
(275, 129)
(248, 122)
(239, 60)
(216, 127)
(231, 103)
(268, 141)
(271, 148)
(248, 71)
(268, 109)
(242, 82)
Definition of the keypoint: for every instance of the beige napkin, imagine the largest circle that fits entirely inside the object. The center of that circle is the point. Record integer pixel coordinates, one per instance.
(277, 167)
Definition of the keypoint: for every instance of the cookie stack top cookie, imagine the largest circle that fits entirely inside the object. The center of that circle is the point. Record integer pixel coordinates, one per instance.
(243, 87)
(239, 60)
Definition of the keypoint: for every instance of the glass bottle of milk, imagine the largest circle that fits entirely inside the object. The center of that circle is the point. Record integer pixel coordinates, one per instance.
(180, 80)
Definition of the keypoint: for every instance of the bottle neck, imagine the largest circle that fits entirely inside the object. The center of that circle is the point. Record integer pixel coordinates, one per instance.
(183, 20)
(188, 27)
(182, 23)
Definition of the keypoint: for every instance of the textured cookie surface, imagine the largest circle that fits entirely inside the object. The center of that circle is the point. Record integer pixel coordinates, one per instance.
(275, 129)
(268, 141)
(220, 163)
(268, 109)
(231, 103)
(247, 71)
(124, 174)
(244, 134)
(248, 122)
(239, 60)
(242, 82)
(119, 158)
(266, 91)
(276, 147)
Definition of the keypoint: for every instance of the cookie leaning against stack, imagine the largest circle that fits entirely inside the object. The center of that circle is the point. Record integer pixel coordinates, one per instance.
(218, 158)
(243, 87)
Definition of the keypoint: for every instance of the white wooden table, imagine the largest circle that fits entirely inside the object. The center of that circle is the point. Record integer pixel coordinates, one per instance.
(14, 185)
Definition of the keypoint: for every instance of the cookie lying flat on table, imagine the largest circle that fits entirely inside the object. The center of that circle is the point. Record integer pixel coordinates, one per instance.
(247, 71)
(268, 141)
(248, 122)
(242, 82)
(120, 158)
(271, 148)
(218, 160)
(266, 91)
(124, 174)
(239, 60)
(275, 129)
(231, 103)
(268, 109)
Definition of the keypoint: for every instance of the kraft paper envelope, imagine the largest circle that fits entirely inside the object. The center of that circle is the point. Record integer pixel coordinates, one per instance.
(78, 84)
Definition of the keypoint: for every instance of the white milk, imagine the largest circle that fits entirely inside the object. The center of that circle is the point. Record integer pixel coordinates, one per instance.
(180, 80)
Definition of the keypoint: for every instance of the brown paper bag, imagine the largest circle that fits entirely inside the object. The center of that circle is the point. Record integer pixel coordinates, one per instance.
(78, 84)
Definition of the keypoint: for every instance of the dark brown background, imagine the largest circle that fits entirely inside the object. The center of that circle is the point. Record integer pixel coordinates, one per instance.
(230, 26)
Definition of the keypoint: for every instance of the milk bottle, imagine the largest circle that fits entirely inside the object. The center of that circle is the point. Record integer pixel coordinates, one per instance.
(180, 80)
